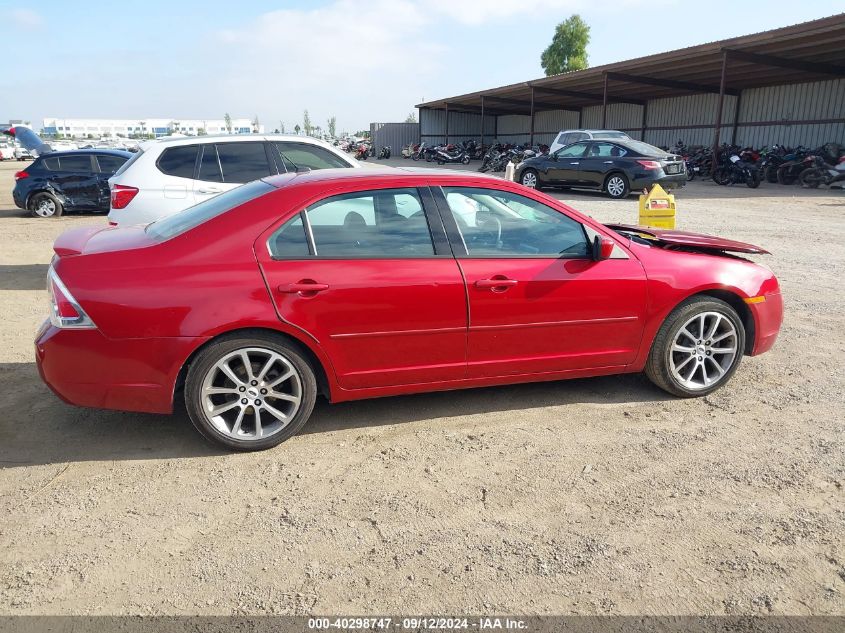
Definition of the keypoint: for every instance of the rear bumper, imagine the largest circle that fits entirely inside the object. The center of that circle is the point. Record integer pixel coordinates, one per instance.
(19, 198)
(768, 317)
(86, 369)
(673, 181)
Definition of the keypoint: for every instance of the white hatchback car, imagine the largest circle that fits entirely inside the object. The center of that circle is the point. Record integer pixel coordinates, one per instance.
(168, 175)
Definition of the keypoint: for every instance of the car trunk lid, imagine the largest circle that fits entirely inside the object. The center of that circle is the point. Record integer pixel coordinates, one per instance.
(692, 241)
(100, 239)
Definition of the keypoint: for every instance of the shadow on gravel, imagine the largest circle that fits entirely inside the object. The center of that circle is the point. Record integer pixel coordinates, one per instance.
(23, 277)
(37, 428)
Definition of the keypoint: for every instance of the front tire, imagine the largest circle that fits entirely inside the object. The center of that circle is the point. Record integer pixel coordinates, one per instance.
(530, 179)
(45, 205)
(250, 393)
(697, 349)
(617, 186)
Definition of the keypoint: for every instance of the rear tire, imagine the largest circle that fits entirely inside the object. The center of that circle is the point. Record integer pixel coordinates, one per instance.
(810, 178)
(45, 205)
(616, 186)
(254, 400)
(668, 366)
(753, 180)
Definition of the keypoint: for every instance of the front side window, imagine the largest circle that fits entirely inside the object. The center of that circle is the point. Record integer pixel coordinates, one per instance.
(297, 155)
(496, 223)
(178, 161)
(573, 151)
(243, 162)
(370, 224)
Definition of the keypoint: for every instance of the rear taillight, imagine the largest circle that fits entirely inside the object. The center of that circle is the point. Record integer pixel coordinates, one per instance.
(65, 312)
(121, 195)
(20, 175)
(649, 164)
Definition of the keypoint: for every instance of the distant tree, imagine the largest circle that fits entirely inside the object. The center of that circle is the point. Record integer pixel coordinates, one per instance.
(227, 119)
(333, 126)
(255, 124)
(281, 127)
(411, 118)
(296, 128)
(306, 123)
(89, 136)
(200, 131)
(568, 50)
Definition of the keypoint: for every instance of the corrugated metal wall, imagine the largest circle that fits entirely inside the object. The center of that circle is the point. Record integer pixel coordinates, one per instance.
(689, 118)
(463, 126)
(396, 135)
(815, 101)
(627, 117)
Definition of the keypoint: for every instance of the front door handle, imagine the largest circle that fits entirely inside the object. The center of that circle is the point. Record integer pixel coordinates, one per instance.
(575, 163)
(608, 162)
(209, 190)
(496, 284)
(305, 287)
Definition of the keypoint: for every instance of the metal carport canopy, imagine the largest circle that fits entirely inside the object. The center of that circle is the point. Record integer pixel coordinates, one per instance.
(810, 51)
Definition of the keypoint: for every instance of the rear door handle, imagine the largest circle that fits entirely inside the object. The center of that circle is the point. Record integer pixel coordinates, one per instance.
(209, 190)
(576, 163)
(502, 284)
(303, 287)
(608, 162)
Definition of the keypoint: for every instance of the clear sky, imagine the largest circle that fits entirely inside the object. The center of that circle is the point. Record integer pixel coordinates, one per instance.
(360, 60)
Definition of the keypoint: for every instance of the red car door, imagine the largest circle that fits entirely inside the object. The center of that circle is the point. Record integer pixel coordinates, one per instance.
(363, 275)
(537, 301)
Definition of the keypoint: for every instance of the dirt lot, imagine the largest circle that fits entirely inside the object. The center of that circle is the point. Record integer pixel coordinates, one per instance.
(589, 496)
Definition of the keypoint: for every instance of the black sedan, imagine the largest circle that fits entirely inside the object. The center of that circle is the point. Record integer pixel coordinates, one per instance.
(614, 166)
(76, 180)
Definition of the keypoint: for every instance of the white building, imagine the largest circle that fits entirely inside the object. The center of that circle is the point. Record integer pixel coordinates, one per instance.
(97, 128)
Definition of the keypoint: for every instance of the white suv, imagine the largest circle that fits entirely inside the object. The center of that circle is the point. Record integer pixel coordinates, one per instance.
(565, 137)
(168, 175)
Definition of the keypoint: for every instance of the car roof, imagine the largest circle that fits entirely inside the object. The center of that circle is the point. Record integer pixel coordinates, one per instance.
(383, 174)
(594, 131)
(75, 152)
(230, 138)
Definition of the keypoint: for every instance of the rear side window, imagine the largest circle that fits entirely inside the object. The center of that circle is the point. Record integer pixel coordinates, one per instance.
(210, 165)
(193, 216)
(109, 164)
(78, 164)
(243, 162)
(375, 224)
(295, 155)
(50, 164)
(178, 161)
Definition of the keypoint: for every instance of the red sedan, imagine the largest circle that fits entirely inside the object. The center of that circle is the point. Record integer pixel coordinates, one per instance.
(363, 283)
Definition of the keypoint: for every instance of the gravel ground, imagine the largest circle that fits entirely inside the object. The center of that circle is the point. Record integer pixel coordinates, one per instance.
(601, 496)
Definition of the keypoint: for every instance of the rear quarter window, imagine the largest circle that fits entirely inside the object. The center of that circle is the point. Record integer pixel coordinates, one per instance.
(129, 162)
(178, 161)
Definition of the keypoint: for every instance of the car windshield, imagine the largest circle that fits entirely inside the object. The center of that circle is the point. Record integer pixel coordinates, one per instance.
(193, 216)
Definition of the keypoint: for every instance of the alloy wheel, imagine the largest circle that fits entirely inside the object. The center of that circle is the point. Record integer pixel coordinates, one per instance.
(529, 179)
(251, 393)
(703, 350)
(616, 186)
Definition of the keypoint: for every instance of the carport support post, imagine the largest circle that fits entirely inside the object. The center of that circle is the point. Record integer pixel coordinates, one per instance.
(447, 124)
(645, 122)
(736, 117)
(604, 104)
(531, 132)
(717, 131)
(482, 121)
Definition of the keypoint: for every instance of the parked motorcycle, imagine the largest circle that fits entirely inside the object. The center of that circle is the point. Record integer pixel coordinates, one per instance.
(822, 173)
(452, 154)
(410, 149)
(385, 152)
(362, 152)
(736, 168)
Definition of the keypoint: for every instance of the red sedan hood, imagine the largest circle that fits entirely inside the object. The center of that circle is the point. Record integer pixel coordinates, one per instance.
(100, 239)
(685, 238)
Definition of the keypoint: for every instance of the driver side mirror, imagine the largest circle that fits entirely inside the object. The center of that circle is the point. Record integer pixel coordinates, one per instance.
(602, 248)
